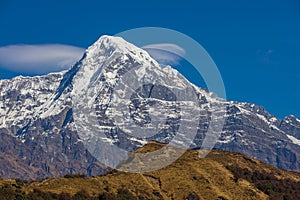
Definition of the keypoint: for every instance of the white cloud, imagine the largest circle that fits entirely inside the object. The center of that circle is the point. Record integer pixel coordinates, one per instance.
(165, 53)
(38, 59)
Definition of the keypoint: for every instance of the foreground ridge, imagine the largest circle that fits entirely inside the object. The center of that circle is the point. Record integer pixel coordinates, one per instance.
(221, 175)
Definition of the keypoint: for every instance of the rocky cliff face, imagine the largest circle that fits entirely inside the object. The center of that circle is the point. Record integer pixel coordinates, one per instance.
(42, 118)
(36, 144)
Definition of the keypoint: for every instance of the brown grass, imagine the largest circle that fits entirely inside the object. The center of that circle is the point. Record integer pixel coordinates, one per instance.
(210, 178)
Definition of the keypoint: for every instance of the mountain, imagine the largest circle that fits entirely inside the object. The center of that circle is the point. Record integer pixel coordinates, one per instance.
(220, 175)
(48, 123)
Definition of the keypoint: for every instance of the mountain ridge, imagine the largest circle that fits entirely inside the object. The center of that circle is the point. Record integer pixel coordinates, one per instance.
(38, 112)
(220, 175)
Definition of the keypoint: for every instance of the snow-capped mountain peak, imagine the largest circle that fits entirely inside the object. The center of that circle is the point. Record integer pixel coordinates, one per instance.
(106, 46)
(37, 114)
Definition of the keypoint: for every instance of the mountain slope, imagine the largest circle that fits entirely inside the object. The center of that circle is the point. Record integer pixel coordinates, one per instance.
(221, 175)
(38, 115)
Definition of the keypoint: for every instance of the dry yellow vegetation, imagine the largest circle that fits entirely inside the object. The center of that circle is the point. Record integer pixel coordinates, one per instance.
(220, 175)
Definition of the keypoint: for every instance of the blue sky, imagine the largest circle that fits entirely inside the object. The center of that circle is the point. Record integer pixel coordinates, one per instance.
(255, 44)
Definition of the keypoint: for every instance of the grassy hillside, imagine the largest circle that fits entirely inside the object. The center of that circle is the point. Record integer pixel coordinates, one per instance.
(220, 175)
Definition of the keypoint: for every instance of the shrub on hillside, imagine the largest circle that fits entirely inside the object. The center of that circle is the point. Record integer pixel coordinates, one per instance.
(21, 182)
(107, 196)
(268, 183)
(82, 195)
(125, 194)
(192, 196)
(75, 176)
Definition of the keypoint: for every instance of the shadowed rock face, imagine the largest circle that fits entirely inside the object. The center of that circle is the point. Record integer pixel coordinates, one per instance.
(291, 125)
(39, 137)
(52, 153)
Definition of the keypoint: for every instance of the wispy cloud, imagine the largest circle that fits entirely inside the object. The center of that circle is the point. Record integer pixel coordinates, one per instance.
(38, 59)
(165, 53)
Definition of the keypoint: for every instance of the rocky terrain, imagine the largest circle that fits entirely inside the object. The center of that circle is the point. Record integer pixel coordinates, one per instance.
(43, 119)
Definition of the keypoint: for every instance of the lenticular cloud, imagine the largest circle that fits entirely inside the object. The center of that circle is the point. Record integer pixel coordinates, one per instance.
(38, 59)
(165, 53)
